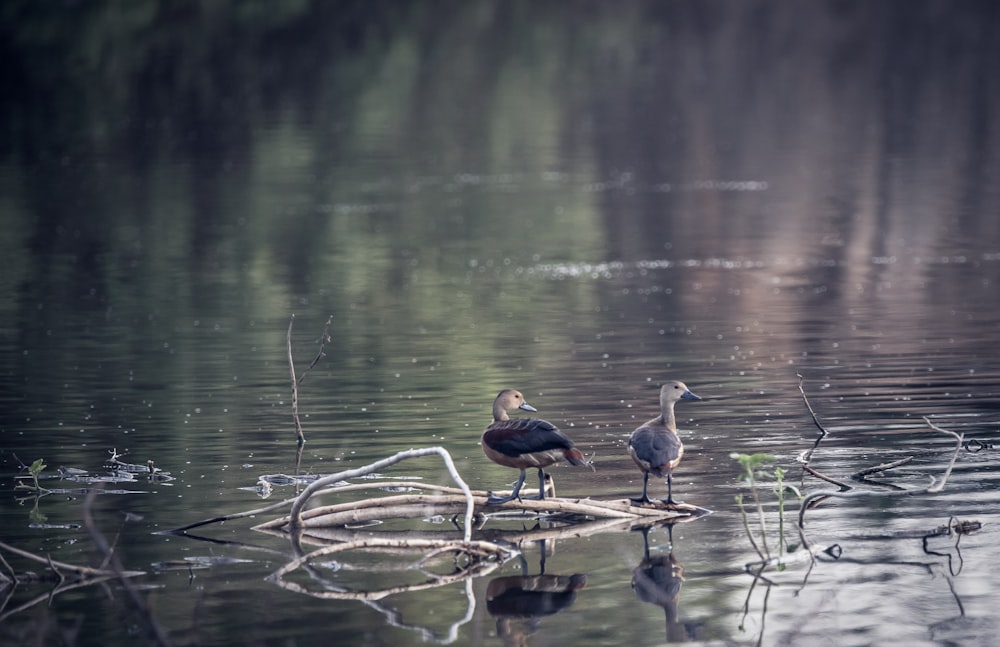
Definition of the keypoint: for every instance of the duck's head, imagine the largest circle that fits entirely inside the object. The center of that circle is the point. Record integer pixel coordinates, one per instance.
(509, 400)
(676, 390)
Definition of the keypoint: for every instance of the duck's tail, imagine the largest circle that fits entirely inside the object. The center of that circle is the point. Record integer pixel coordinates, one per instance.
(576, 457)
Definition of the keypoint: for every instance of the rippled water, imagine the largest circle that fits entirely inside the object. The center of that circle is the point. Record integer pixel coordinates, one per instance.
(661, 192)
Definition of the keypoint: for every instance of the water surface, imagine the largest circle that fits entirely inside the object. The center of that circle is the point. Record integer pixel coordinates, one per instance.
(580, 202)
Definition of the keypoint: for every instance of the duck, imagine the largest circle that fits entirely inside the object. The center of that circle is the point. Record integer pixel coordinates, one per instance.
(525, 442)
(655, 446)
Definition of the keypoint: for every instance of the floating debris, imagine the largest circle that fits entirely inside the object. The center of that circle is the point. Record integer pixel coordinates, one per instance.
(285, 479)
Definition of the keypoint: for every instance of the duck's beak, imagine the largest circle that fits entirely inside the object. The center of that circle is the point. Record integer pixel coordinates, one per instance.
(687, 395)
(528, 407)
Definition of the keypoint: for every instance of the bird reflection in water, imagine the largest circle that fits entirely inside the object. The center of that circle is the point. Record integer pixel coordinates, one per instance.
(518, 602)
(658, 580)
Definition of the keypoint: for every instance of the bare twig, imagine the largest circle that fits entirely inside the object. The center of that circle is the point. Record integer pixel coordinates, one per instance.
(229, 517)
(299, 434)
(861, 474)
(807, 455)
(828, 479)
(822, 429)
(323, 341)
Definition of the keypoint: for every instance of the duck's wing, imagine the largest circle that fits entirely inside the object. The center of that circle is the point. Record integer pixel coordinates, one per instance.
(525, 436)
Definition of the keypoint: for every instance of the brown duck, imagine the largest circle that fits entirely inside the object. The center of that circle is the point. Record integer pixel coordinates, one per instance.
(525, 442)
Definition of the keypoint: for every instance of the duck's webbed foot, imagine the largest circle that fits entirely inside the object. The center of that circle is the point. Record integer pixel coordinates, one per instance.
(541, 488)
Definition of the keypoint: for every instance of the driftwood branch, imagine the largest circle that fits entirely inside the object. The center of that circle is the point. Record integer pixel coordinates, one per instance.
(937, 484)
(79, 571)
(317, 485)
(327, 535)
(806, 456)
(448, 504)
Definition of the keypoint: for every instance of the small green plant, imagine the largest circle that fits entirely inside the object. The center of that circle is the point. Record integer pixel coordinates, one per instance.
(37, 490)
(753, 468)
(33, 471)
(36, 469)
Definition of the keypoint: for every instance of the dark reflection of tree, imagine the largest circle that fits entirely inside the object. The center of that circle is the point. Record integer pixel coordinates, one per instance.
(518, 602)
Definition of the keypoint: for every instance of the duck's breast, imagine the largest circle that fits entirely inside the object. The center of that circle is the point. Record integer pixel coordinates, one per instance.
(655, 449)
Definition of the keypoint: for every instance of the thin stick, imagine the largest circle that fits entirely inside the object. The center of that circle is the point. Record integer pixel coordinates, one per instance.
(824, 477)
(323, 341)
(806, 456)
(860, 474)
(822, 430)
(228, 517)
(299, 434)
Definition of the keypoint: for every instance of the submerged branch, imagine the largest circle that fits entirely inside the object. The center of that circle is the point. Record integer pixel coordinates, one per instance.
(79, 571)
(937, 487)
(937, 484)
